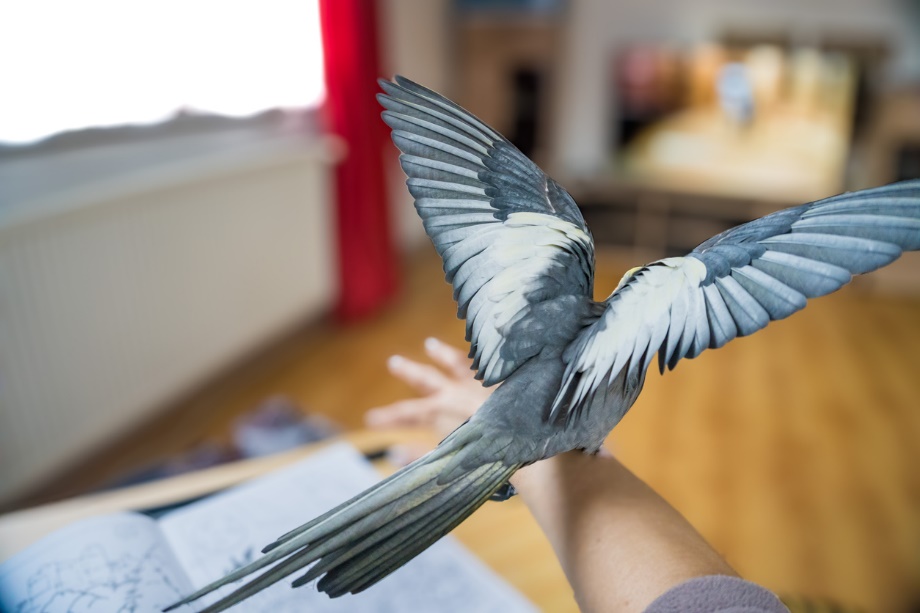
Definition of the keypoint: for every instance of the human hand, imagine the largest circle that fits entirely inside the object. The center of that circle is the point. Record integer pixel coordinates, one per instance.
(449, 393)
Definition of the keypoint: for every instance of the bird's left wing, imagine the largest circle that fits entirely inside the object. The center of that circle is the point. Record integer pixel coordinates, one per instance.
(514, 244)
(736, 283)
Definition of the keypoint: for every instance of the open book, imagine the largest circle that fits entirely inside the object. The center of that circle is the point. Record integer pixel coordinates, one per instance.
(130, 562)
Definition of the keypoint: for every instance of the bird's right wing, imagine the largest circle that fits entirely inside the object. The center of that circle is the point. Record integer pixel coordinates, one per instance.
(514, 244)
(735, 283)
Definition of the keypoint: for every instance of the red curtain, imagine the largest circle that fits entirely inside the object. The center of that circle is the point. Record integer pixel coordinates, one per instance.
(367, 267)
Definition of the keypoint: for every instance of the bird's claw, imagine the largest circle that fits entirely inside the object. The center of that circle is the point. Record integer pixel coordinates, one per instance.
(503, 493)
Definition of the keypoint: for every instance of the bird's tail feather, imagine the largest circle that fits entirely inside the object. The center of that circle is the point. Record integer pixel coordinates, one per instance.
(363, 540)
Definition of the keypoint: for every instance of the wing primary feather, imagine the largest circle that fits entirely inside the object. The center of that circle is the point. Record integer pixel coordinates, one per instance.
(438, 145)
(777, 298)
(431, 129)
(436, 104)
(809, 277)
(897, 206)
(857, 255)
(901, 231)
(420, 188)
(411, 162)
(424, 149)
(901, 189)
(465, 218)
(749, 316)
(436, 99)
(412, 106)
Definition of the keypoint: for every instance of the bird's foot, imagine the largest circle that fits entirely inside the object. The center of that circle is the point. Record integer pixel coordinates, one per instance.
(503, 493)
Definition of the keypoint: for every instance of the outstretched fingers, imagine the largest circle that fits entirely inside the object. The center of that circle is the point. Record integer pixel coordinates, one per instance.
(451, 359)
(449, 393)
(426, 379)
(404, 413)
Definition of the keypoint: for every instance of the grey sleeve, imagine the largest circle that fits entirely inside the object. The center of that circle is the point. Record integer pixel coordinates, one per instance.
(717, 594)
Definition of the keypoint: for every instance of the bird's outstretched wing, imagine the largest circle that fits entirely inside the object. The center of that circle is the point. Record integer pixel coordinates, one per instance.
(736, 283)
(514, 244)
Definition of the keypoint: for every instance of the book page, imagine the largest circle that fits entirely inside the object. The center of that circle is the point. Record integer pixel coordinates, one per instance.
(107, 563)
(217, 535)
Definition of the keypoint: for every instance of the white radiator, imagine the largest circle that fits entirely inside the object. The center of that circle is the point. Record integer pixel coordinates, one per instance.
(117, 297)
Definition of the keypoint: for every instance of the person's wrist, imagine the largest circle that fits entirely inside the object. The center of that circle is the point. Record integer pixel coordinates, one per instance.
(566, 469)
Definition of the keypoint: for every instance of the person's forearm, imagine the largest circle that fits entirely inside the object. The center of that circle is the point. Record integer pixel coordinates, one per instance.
(620, 544)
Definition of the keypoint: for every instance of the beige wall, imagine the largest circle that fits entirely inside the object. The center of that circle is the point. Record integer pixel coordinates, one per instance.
(415, 41)
(120, 295)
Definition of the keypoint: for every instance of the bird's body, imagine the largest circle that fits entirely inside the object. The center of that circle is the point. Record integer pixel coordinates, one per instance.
(521, 261)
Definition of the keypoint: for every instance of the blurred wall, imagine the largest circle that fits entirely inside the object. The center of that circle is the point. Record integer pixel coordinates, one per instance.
(119, 293)
(416, 43)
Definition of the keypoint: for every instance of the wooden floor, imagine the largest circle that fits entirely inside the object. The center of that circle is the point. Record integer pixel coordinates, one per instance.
(796, 452)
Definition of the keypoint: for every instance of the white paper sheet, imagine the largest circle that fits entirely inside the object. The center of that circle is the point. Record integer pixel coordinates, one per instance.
(216, 535)
(109, 563)
(130, 563)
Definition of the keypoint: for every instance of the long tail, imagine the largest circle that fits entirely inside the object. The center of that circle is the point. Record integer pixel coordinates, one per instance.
(366, 538)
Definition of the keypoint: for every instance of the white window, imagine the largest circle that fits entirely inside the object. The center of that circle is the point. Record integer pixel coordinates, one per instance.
(67, 65)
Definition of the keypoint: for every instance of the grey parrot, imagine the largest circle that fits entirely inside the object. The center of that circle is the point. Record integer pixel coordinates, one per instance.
(520, 259)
